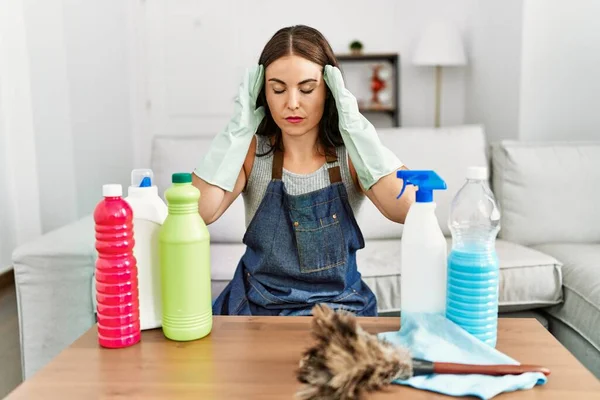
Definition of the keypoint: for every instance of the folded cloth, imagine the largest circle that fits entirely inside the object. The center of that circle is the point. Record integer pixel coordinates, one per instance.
(435, 338)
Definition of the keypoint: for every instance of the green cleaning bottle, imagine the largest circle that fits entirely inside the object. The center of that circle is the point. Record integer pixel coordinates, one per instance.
(185, 264)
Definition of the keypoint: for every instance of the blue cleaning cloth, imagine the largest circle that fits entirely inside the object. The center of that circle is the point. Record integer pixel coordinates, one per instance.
(435, 338)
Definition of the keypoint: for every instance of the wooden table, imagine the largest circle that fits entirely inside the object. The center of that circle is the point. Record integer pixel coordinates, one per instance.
(256, 357)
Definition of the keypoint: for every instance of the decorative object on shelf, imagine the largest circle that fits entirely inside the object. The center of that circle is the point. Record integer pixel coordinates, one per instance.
(389, 76)
(440, 45)
(385, 98)
(356, 47)
(377, 84)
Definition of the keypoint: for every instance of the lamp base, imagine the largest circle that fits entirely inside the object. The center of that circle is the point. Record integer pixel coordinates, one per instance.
(438, 94)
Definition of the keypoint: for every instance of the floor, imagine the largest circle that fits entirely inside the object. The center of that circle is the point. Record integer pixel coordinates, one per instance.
(10, 357)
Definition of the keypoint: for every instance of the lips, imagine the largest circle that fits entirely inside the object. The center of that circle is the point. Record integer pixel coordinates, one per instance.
(294, 119)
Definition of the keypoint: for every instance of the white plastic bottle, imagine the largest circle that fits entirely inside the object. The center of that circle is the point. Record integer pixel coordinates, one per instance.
(424, 254)
(149, 213)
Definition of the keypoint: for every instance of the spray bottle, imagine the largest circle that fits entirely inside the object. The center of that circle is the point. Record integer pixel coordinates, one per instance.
(424, 253)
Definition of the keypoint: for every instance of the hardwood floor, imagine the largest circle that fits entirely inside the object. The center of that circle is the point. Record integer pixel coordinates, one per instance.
(10, 357)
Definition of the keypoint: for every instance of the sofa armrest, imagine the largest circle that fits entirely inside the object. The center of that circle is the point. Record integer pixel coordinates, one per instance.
(53, 280)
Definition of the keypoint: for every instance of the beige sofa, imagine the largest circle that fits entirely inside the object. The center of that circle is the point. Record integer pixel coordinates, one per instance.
(54, 274)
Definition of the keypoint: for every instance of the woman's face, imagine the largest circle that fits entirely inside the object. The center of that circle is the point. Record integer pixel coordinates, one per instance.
(295, 92)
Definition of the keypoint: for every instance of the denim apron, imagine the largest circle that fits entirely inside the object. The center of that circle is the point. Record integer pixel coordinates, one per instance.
(300, 251)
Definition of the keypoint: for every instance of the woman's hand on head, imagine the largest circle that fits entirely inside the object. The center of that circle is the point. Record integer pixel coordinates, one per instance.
(252, 84)
(372, 160)
(222, 162)
(344, 100)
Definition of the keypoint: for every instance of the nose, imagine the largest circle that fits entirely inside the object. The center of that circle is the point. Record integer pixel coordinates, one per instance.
(293, 101)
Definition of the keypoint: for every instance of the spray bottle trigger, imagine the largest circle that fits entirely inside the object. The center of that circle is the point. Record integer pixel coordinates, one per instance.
(404, 183)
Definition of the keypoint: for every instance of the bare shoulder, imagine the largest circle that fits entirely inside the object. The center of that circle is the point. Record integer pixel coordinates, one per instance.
(249, 161)
(354, 176)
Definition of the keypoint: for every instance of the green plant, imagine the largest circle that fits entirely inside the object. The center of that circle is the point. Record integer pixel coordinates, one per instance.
(356, 45)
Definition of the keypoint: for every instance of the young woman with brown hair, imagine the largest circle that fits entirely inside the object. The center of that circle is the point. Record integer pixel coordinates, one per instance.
(304, 159)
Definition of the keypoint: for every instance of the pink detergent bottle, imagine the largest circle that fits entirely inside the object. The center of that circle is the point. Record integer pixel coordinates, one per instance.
(116, 271)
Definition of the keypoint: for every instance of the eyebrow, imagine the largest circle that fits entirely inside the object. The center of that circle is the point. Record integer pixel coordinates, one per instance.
(299, 83)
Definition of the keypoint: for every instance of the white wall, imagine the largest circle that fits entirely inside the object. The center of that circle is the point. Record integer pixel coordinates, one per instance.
(96, 45)
(494, 71)
(560, 70)
(534, 69)
(80, 85)
(51, 112)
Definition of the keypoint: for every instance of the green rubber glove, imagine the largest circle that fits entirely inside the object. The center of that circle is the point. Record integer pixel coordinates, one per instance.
(371, 159)
(223, 162)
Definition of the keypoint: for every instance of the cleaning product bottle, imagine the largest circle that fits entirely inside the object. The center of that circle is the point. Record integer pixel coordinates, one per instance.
(149, 213)
(424, 250)
(116, 272)
(473, 274)
(185, 264)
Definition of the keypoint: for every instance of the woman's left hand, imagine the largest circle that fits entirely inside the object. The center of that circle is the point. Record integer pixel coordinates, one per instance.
(374, 163)
(371, 159)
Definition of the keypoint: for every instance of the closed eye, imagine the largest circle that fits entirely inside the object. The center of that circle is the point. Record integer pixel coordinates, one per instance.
(303, 91)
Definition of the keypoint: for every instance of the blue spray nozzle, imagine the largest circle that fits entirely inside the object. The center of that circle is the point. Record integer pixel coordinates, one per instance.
(146, 182)
(427, 182)
(142, 177)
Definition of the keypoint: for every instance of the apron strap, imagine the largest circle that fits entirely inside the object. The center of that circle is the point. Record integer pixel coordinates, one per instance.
(335, 175)
(277, 171)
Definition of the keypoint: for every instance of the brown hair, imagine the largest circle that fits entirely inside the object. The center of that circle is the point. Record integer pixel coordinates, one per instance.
(308, 43)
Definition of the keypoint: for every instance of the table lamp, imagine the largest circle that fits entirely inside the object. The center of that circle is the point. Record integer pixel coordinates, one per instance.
(440, 45)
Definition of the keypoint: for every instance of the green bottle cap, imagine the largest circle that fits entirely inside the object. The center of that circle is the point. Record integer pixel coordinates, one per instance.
(181, 177)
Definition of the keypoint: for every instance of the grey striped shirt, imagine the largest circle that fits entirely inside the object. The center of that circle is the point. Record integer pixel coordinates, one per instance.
(295, 184)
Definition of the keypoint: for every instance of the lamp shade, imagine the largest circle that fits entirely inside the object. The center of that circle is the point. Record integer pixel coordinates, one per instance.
(440, 44)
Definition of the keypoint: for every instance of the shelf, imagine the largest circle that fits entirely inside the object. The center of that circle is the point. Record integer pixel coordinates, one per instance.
(394, 60)
(384, 109)
(392, 57)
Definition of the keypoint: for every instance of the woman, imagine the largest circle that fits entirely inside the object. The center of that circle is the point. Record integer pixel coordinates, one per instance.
(304, 160)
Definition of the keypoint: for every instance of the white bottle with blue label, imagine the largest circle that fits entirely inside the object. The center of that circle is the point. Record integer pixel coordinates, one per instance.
(149, 213)
(424, 249)
(473, 270)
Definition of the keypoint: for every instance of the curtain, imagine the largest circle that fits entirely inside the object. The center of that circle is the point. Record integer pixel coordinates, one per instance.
(19, 187)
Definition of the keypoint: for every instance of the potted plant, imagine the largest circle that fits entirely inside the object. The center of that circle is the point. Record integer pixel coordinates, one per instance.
(356, 47)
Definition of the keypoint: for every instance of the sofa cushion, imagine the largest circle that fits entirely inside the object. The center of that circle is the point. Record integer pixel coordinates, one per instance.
(535, 185)
(224, 258)
(528, 278)
(581, 280)
(449, 151)
(181, 154)
(379, 265)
